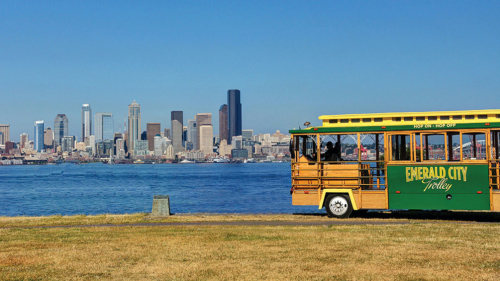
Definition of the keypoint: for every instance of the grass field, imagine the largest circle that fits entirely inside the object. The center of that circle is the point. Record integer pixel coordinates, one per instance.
(416, 251)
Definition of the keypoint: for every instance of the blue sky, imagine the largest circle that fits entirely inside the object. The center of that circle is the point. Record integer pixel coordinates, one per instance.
(292, 60)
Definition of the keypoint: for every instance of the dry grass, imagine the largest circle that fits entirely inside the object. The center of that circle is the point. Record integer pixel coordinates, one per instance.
(143, 217)
(414, 216)
(362, 252)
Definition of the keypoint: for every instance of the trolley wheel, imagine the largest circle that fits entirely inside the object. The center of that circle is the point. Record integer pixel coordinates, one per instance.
(338, 206)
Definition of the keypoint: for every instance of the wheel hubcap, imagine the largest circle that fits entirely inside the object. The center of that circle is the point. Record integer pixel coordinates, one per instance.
(338, 206)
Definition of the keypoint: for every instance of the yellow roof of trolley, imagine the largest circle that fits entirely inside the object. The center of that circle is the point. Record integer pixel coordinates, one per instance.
(487, 118)
(399, 118)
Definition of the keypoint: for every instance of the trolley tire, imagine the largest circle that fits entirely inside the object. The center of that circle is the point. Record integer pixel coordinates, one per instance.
(338, 206)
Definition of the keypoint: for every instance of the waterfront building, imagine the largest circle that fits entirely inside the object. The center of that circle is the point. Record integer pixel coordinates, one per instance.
(60, 129)
(9, 147)
(81, 146)
(206, 139)
(152, 129)
(234, 114)
(192, 135)
(91, 144)
(134, 124)
(24, 140)
(237, 142)
(86, 121)
(159, 145)
(48, 138)
(67, 144)
(177, 131)
(5, 131)
(201, 119)
(141, 148)
(239, 154)
(103, 126)
(224, 148)
(170, 154)
(117, 136)
(247, 134)
(39, 137)
(119, 148)
(195, 155)
(104, 148)
(223, 125)
(257, 149)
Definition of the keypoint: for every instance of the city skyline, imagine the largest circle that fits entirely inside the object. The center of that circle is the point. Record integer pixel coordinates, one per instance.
(293, 62)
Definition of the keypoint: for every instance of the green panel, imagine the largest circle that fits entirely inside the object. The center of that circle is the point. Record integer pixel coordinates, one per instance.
(417, 127)
(426, 187)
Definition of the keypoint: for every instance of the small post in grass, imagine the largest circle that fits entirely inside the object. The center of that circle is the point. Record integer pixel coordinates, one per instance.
(161, 206)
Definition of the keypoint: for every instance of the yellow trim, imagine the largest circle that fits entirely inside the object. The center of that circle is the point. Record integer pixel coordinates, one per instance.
(348, 191)
(387, 118)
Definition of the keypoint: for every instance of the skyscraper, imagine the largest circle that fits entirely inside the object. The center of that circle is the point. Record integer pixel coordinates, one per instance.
(134, 124)
(223, 119)
(48, 138)
(201, 119)
(206, 138)
(60, 129)
(5, 129)
(166, 133)
(86, 121)
(192, 135)
(103, 126)
(24, 139)
(39, 136)
(177, 130)
(234, 114)
(152, 129)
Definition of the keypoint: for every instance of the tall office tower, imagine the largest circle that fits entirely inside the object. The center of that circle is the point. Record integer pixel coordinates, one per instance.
(86, 121)
(60, 129)
(159, 145)
(67, 144)
(201, 119)
(247, 134)
(134, 125)
(103, 126)
(92, 144)
(24, 139)
(234, 114)
(152, 129)
(1, 138)
(144, 135)
(5, 129)
(48, 138)
(39, 136)
(117, 136)
(177, 130)
(206, 138)
(166, 133)
(223, 126)
(119, 148)
(192, 133)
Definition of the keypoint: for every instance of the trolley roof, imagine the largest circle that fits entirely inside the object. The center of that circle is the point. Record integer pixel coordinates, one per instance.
(432, 120)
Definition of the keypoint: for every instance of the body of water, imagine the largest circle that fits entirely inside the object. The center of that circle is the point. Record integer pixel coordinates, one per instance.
(90, 189)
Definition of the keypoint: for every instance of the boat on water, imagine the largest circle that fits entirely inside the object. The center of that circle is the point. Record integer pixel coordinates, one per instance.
(138, 161)
(185, 161)
(249, 160)
(221, 160)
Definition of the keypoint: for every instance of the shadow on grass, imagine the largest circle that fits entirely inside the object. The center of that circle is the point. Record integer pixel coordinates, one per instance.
(467, 216)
